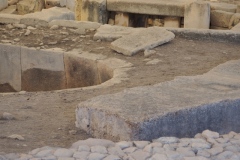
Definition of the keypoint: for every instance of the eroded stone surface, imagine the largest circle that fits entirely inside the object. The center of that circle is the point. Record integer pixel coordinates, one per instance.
(140, 40)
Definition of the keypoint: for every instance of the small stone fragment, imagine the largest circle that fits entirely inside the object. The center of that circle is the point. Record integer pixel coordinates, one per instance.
(17, 137)
(28, 32)
(210, 134)
(54, 27)
(7, 116)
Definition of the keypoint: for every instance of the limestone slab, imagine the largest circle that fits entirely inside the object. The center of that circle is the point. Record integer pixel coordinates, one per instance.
(223, 6)
(197, 15)
(3, 4)
(10, 18)
(236, 28)
(9, 10)
(221, 18)
(75, 24)
(46, 15)
(140, 40)
(42, 70)
(195, 103)
(152, 7)
(10, 68)
(173, 22)
(70, 4)
(94, 10)
(29, 6)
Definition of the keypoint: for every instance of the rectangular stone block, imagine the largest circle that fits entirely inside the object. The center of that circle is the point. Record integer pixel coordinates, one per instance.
(80, 72)
(9, 10)
(70, 4)
(10, 68)
(150, 7)
(221, 18)
(173, 22)
(122, 19)
(10, 18)
(42, 70)
(223, 6)
(197, 15)
(3, 4)
(94, 10)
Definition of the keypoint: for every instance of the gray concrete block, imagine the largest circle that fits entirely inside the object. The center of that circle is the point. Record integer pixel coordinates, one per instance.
(195, 103)
(152, 7)
(42, 70)
(10, 68)
(141, 40)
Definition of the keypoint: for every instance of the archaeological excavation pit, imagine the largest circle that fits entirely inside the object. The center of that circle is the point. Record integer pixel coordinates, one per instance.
(24, 69)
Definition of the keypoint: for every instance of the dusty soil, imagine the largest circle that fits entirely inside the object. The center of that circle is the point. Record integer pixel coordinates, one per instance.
(45, 118)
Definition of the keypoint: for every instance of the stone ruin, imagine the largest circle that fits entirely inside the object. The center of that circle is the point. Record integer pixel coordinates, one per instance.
(213, 14)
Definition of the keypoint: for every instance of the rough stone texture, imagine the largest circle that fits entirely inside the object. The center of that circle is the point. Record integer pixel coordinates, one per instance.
(223, 6)
(70, 4)
(197, 15)
(40, 69)
(3, 4)
(151, 7)
(9, 10)
(75, 24)
(10, 68)
(122, 19)
(141, 40)
(110, 33)
(10, 18)
(52, 3)
(194, 103)
(236, 28)
(221, 18)
(209, 134)
(173, 22)
(29, 6)
(46, 15)
(235, 19)
(94, 10)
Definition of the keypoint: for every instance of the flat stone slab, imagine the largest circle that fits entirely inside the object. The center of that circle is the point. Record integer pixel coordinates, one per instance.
(223, 7)
(46, 15)
(195, 103)
(141, 40)
(152, 7)
(108, 32)
(75, 24)
(10, 18)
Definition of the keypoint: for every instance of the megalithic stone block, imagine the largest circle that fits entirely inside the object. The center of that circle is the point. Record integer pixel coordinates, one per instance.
(197, 15)
(173, 22)
(3, 4)
(93, 10)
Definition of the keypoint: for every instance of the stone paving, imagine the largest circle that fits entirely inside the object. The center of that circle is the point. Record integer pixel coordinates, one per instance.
(207, 145)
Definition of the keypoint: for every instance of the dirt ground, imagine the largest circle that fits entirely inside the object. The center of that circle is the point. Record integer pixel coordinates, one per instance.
(45, 118)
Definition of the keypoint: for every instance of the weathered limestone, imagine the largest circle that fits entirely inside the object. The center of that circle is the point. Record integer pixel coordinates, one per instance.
(40, 69)
(52, 3)
(235, 19)
(75, 24)
(236, 28)
(78, 9)
(110, 33)
(144, 113)
(3, 4)
(10, 18)
(141, 40)
(173, 22)
(9, 10)
(10, 68)
(152, 7)
(122, 19)
(46, 15)
(70, 4)
(221, 18)
(93, 10)
(197, 15)
(223, 6)
(29, 6)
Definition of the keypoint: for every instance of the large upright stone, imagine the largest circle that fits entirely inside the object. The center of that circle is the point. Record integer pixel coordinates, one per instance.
(3, 4)
(10, 68)
(221, 18)
(42, 70)
(94, 10)
(197, 15)
(29, 6)
(142, 39)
